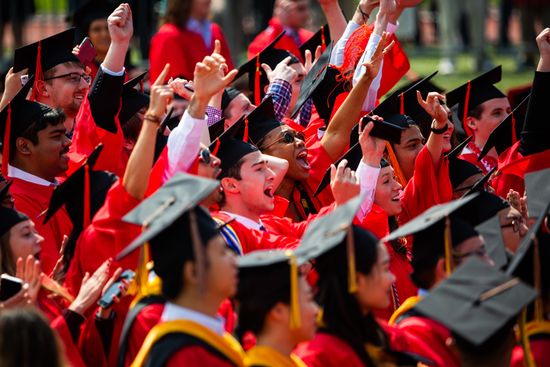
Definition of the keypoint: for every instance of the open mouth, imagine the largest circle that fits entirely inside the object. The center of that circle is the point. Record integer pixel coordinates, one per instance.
(302, 160)
(269, 192)
(397, 197)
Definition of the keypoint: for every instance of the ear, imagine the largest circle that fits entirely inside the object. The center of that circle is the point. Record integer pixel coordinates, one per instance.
(23, 146)
(439, 271)
(279, 313)
(230, 185)
(266, 88)
(42, 88)
(472, 123)
(189, 273)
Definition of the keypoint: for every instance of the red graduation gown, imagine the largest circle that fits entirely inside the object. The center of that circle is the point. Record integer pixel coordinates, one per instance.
(286, 227)
(285, 43)
(145, 320)
(539, 351)
(33, 200)
(182, 48)
(198, 356)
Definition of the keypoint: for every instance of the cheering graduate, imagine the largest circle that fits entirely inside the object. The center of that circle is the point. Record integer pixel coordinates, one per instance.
(279, 316)
(353, 280)
(198, 272)
(185, 23)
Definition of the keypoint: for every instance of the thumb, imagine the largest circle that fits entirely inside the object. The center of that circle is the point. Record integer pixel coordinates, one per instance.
(267, 68)
(332, 172)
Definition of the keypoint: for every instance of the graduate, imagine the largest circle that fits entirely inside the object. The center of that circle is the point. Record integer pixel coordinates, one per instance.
(353, 280)
(34, 154)
(281, 315)
(198, 272)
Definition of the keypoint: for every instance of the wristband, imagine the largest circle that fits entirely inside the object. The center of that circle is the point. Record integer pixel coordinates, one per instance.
(440, 130)
(152, 118)
(364, 15)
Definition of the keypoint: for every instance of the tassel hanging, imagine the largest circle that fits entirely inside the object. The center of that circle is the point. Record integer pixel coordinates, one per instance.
(448, 246)
(295, 319)
(395, 164)
(350, 249)
(257, 74)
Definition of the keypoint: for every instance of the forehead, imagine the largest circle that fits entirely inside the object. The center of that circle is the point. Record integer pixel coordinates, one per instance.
(412, 132)
(496, 103)
(251, 158)
(66, 68)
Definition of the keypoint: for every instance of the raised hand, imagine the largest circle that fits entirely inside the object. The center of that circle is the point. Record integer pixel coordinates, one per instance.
(106, 312)
(29, 271)
(543, 43)
(12, 86)
(309, 60)
(282, 71)
(373, 66)
(120, 24)
(371, 147)
(208, 80)
(434, 107)
(160, 97)
(343, 183)
(178, 86)
(91, 289)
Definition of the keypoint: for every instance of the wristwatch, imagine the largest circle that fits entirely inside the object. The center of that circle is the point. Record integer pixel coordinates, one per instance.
(440, 130)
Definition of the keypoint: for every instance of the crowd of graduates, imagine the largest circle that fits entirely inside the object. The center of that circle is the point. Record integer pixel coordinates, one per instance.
(297, 211)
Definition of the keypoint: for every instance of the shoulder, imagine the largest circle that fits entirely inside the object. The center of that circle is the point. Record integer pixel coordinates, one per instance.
(195, 355)
(327, 350)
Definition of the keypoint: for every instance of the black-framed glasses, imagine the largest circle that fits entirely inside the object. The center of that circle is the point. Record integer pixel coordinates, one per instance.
(205, 156)
(73, 77)
(288, 137)
(516, 224)
(481, 252)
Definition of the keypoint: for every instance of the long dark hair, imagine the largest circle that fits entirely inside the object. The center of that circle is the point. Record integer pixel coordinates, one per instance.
(342, 314)
(178, 13)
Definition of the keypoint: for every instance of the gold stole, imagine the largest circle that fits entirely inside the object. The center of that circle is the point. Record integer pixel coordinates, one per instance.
(267, 356)
(226, 344)
(406, 306)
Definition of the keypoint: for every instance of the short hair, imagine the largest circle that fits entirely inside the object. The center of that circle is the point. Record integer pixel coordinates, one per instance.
(51, 71)
(53, 117)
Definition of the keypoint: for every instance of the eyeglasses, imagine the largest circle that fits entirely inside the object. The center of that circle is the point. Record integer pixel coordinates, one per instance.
(205, 156)
(73, 77)
(516, 224)
(480, 252)
(288, 137)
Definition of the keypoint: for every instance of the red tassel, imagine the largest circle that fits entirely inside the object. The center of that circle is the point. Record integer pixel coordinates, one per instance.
(466, 107)
(323, 41)
(6, 147)
(216, 147)
(402, 104)
(257, 93)
(86, 217)
(514, 136)
(245, 134)
(38, 73)
(141, 85)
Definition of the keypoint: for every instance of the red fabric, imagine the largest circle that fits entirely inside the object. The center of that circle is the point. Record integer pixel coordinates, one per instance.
(87, 135)
(429, 338)
(539, 351)
(252, 239)
(145, 320)
(182, 49)
(196, 355)
(285, 43)
(281, 206)
(105, 237)
(33, 200)
(286, 227)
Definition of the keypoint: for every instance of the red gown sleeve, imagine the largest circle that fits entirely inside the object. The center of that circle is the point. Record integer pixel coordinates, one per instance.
(168, 46)
(147, 319)
(325, 350)
(286, 227)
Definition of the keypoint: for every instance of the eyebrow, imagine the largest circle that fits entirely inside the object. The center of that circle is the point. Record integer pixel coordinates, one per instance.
(60, 130)
(263, 161)
(413, 139)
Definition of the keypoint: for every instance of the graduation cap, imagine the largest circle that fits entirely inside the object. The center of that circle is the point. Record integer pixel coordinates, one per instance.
(329, 231)
(353, 156)
(90, 11)
(320, 38)
(481, 184)
(475, 92)
(484, 206)
(132, 99)
(257, 78)
(43, 55)
(323, 84)
(537, 187)
(258, 123)
(228, 95)
(504, 135)
(267, 277)
(435, 214)
(5, 190)
(9, 217)
(83, 192)
(18, 116)
(460, 169)
(476, 301)
(216, 129)
(494, 243)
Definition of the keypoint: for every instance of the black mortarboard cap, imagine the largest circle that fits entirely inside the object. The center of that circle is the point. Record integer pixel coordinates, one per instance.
(228, 95)
(132, 99)
(8, 218)
(494, 243)
(216, 129)
(90, 11)
(353, 156)
(323, 84)
(268, 276)
(257, 78)
(259, 123)
(320, 38)
(476, 301)
(78, 195)
(481, 184)
(54, 50)
(484, 206)
(475, 92)
(169, 203)
(503, 136)
(460, 169)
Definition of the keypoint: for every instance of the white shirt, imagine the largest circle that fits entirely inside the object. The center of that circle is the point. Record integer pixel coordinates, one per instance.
(15, 172)
(174, 312)
(368, 176)
(247, 222)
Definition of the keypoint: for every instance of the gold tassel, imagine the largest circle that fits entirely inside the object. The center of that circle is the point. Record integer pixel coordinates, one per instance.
(352, 279)
(295, 319)
(448, 246)
(395, 164)
(528, 360)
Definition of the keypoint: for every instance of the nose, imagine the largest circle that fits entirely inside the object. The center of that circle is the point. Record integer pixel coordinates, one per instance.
(270, 174)
(38, 238)
(67, 142)
(523, 229)
(215, 161)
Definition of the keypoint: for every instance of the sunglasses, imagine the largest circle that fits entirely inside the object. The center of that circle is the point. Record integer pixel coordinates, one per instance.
(288, 137)
(205, 156)
(73, 77)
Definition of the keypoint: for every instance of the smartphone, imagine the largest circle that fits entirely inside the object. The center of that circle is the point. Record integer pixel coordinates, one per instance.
(9, 286)
(87, 52)
(384, 130)
(106, 300)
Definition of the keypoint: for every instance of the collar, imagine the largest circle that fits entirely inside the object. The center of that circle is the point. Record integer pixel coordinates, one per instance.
(174, 312)
(15, 172)
(423, 292)
(247, 222)
(193, 23)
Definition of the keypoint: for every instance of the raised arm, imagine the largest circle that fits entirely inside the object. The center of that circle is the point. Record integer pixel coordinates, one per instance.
(336, 138)
(441, 124)
(335, 18)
